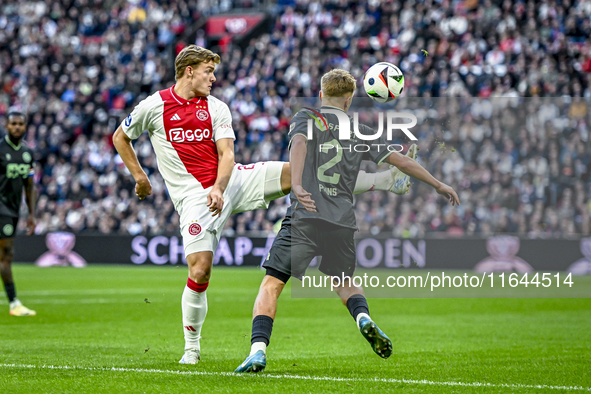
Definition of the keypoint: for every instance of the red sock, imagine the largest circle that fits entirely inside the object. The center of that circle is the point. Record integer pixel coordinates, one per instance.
(198, 287)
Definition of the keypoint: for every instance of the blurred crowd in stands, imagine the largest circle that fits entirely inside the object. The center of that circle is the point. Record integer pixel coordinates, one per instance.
(484, 72)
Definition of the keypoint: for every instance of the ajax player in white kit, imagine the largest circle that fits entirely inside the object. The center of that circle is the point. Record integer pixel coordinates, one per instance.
(193, 139)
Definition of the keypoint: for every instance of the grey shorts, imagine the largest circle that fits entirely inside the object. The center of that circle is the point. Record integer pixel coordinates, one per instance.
(298, 242)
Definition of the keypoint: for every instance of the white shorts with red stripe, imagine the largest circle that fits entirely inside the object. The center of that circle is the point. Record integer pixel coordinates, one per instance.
(245, 192)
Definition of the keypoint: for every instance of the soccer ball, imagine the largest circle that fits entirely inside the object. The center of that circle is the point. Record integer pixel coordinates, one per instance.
(383, 82)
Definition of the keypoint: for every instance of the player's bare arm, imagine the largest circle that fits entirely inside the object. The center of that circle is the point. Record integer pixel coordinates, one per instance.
(215, 199)
(296, 158)
(415, 170)
(122, 142)
(31, 198)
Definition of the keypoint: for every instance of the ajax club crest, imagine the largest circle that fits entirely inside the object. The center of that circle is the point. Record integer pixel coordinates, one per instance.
(202, 115)
(194, 229)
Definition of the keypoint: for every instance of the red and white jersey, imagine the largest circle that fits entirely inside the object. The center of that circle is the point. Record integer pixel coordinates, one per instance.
(183, 133)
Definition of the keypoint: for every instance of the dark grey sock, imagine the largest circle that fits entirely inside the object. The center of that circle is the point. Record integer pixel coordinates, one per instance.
(10, 291)
(262, 326)
(357, 304)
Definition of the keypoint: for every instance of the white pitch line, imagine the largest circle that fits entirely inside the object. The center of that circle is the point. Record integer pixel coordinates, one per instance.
(76, 301)
(300, 377)
(41, 293)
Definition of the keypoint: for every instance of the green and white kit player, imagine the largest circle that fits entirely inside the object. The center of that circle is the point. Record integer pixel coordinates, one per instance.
(16, 175)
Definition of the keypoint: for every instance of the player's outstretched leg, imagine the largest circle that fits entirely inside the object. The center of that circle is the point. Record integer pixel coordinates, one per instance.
(393, 180)
(366, 182)
(6, 253)
(194, 304)
(401, 180)
(356, 303)
(265, 308)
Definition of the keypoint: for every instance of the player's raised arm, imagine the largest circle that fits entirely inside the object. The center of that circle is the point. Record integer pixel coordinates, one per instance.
(297, 158)
(414, 169)
(122, 143)
(215, 199)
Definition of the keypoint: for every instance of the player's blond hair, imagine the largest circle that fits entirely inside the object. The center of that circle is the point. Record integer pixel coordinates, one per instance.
(193, 55)
(337, 83)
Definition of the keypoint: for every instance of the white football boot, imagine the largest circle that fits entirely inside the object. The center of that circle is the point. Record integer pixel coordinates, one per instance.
(18, 309)
(401, 184)
(191, 356)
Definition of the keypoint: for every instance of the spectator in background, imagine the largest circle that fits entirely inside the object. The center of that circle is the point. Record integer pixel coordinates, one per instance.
(78, 66)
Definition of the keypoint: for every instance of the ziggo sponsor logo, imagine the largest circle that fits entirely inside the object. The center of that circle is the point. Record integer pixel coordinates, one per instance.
(180, 135)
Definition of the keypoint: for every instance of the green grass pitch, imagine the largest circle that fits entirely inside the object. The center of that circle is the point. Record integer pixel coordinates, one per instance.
(106, 329)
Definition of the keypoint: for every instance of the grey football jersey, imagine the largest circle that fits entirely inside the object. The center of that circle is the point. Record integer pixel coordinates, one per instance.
(16, 165)
(332, 164)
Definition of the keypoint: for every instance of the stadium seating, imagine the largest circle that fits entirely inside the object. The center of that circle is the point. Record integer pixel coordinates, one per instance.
(78, 67)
